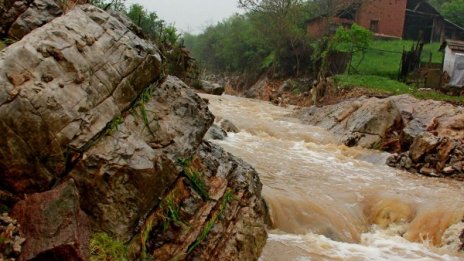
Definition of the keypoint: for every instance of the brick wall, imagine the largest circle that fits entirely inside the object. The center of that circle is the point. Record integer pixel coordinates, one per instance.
(390, 15)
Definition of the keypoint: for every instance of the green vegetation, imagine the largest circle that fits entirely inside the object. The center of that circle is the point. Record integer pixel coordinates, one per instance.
(194, 178)
(113, 125)
(228, 197)
(4, 208)
(383, 58)
(378, 70)
(178, 61)
(105, 248)
(139, 104)
(391, 87)
(373, 82)
(197, 183)
(5, 42)
(454, 11)
(172, 212)
(450, 9)
(270, 36)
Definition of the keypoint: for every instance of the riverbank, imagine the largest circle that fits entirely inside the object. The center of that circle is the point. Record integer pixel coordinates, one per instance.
(332, 202)
(425, 136)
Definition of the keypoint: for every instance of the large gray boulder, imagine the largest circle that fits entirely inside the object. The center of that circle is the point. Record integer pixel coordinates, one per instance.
(122, 177)
(91, 125)
(363, 122)
(60, 87)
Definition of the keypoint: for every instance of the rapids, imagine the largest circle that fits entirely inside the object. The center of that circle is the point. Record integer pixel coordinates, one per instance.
(331, 202)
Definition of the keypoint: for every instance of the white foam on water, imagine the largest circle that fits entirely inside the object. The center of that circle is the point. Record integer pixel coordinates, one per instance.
(381, 245)
(324, 196)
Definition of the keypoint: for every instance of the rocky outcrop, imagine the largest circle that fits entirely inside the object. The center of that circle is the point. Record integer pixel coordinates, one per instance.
(212, 213)
(426, 135)
(98, 140)
(122, 177)
(432, 155)
(61, 86)
(364, 122)
(212, 88)
(54, 225)
(20, 17)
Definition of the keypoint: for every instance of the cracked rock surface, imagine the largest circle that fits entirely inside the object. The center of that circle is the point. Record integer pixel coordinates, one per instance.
(96, 139)
(60, 86)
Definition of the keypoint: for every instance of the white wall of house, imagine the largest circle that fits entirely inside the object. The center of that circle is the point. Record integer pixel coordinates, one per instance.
(450, 59)
(458, 71)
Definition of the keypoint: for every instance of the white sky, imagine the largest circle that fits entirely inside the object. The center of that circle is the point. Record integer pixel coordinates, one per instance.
(191, 16)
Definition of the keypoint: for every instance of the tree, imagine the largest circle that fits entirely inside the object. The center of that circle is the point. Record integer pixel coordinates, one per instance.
(454, 11)
(281, 24)
(113, 4)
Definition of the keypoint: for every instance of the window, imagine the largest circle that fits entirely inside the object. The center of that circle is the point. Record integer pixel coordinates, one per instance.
(374, 26)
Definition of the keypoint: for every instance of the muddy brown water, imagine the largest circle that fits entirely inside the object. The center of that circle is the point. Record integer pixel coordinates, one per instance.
(330, 202)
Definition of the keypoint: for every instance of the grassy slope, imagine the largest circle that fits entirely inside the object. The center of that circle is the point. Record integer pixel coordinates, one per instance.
(387, 63)
(388, 86)
(378, 70)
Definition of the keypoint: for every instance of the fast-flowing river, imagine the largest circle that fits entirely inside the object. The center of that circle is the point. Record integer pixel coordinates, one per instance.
(330, 202)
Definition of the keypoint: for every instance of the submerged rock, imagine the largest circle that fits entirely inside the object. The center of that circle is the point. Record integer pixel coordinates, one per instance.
(215, 133)
(228, 126)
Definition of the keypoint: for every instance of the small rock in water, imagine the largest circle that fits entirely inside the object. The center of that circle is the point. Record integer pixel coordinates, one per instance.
(215, 133)
(229, 126)
(448, 170)
(428, 171)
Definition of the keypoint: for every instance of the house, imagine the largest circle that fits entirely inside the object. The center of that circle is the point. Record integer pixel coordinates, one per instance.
(401, 19)
(453, 63)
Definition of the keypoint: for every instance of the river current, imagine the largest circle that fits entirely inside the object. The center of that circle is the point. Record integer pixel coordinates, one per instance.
(331, 202)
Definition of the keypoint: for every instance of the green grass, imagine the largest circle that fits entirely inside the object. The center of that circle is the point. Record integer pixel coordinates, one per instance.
(373, 82)
(378, 70)
(391, 87)
(228, 197)
(387, 63)
(194, 178)
(104, 248)
(196, 181)
(2, 45)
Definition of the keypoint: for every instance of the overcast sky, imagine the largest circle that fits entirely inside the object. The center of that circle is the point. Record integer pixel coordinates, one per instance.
(190, 15)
